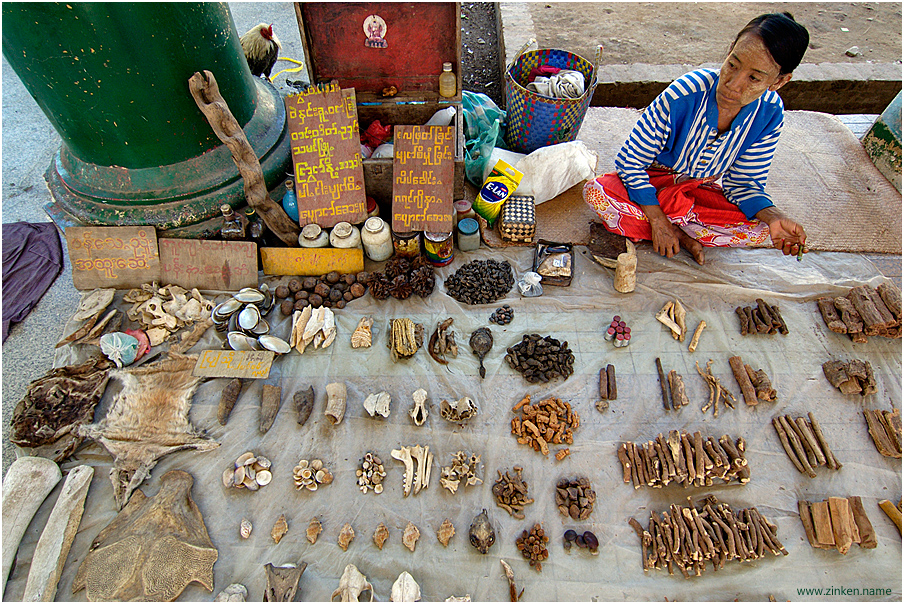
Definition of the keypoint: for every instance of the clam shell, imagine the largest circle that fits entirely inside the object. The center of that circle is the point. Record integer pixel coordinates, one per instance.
(240, 475)
(245, 528)
(277, 345)
(307, 473)
(249, 461)
(249, 295)
(251, 484)
(316, 464)
(319, 476)
(239, 341)
(243, 458)
(262, 328)
(249, 317)
(311, 486)
(222, 312)
(303, 463)
(250, 474)
(263, 462)
(263, 477)
(228, 478)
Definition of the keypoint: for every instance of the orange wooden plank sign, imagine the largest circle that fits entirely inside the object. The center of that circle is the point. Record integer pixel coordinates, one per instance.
(254, 364)
(422, 175)
(326, 155)
(311, 261)
(217, 265)
(118, 257)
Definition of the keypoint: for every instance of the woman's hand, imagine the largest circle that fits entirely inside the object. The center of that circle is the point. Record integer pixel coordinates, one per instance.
(665, 234)
(787, 235)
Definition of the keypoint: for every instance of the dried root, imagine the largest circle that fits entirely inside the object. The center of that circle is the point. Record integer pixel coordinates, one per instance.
(549, 421)
(717, 392)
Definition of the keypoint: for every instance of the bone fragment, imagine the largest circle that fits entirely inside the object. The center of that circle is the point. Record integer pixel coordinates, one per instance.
(510, 575)
(53, 547)
(27, 483)
(336, 395)
(680, 319)
(282, 581)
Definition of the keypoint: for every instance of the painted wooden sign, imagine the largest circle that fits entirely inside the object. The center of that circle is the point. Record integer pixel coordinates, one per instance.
(218, 265)
(422, 173)
(326, 155)
(254, 364)
(311, 261)
(118, 257)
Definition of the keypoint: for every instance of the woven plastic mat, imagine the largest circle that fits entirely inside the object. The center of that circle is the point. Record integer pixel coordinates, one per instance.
(820, 176)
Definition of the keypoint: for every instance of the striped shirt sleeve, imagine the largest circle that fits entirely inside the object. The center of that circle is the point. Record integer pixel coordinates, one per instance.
(744, 183)
(646, 141)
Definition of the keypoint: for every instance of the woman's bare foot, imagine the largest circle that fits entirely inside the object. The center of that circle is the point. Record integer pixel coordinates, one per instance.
(694, 247)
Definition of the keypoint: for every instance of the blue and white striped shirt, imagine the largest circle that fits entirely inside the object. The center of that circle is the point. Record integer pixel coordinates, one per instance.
(679, 131)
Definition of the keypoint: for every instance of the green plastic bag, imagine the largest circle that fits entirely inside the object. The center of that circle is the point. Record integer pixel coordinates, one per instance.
(483, 132)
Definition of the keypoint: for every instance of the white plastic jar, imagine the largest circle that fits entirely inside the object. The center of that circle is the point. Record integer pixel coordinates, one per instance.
(344, 235)
(377, 239)
(313, 236)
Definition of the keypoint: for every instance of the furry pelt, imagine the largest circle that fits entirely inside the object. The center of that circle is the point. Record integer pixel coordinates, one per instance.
(148, 419)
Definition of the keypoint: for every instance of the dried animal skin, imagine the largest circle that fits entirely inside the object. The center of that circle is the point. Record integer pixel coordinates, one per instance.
(148, 419)
(245, 528)
(351, 585)
(279, 529)
(362, 337)
(378, 403)
(419, 412)
(152, 550)
(410, 536)
(446, 532)
(346, 536)
(93, 304)
(405, 589)
(44, 420)
(314, 530)
(381, 535)
(282, 581)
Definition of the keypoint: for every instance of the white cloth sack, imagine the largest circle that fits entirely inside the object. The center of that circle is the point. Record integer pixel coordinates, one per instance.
(551, 170)
(566, 84)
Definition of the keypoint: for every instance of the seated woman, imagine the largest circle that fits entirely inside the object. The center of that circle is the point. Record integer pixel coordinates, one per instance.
(709, 124)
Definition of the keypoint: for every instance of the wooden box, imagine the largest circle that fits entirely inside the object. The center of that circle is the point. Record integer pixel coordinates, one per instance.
(419, 37)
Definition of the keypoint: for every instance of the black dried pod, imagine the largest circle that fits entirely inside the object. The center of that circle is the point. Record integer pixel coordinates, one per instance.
(423, 280)
(590, 540)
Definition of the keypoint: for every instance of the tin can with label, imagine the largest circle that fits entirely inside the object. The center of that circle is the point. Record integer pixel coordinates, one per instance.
(407, 244)
(438, 248)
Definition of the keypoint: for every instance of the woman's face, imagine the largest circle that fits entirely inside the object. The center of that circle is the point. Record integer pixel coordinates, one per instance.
(747, 73)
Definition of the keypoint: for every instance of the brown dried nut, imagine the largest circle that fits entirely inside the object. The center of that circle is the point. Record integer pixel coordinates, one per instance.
(362, 277)
(302, 295)
(286, 307)
(575, 498)
(301, 304)
(357, 290)
(283, 292)
(347, 278)
(335, 294)
(294, 286)
(531, 545)
(322, 290)
(340, 304)
(309, 283)
(315, 300)
(332, 277)
(348, 296)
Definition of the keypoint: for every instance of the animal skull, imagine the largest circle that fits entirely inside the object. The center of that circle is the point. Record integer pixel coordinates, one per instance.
(419, 412)
(351, 585)
(378, 403)
(405, 589)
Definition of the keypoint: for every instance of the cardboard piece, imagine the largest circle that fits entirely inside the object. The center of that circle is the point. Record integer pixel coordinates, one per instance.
(422, 174)
(117, 257)
(216, 265)
(326, 155)
(311, 262)
(253, 364)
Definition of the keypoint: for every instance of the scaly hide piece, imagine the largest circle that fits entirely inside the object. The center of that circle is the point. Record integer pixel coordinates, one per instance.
(152, 550)
(44, 420)
(148, 419)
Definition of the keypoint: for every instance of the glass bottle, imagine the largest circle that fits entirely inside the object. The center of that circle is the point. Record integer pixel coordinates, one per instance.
(448, 85)
(344, 235)
(290, 200)
(377, 239)
(256, 228)
(234, 226)
(468, 235)
(407, 244)
(313, 236)
(463, 209)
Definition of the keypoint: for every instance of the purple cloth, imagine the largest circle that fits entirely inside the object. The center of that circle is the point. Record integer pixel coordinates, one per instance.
(32, 259)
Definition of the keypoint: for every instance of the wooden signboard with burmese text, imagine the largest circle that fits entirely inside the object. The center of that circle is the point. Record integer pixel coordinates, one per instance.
(326, 155)
(422, 172)
(117, 257)
(253, 364)
(217, 265)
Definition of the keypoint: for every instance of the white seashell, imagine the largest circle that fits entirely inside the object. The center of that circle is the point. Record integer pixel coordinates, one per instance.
(245, 528)
(307, 473)
(228, 478)
(243, 458)
(378, 488)
(249, 295)
(316, 464)
(311, 486)
(405, 589)
(222, 312)
(263, 477)
(319, 475)
(277, 345)
(250, 484)
(263, 462)
(239, 341)
(250, 461)
(262, 328)
(249, 317)
(239, 475)
(303, 463)
(250, 473)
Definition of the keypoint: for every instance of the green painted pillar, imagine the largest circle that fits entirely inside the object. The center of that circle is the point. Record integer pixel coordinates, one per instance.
(883, 142)
(112, 78)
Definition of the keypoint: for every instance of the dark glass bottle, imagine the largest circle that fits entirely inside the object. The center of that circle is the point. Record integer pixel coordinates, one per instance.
(257, 232)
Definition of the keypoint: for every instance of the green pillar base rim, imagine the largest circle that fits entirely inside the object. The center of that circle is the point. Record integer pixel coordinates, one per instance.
(177, 195)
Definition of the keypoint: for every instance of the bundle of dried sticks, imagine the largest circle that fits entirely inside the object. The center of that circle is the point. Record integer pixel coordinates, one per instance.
(804, 443)
(687, 459)
(688, 537)
(762, 318)
(864, 312)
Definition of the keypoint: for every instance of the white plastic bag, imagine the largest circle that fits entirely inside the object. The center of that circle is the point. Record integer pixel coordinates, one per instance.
(509, 157)
(551, 170)
(383, 151)
(529, 285)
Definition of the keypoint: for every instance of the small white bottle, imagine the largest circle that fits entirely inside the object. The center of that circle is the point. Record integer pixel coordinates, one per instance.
(313, 236)
(443, 117)
(377, 239)
(344, 235)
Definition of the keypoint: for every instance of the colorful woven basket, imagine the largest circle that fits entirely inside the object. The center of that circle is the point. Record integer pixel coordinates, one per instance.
(535, 121)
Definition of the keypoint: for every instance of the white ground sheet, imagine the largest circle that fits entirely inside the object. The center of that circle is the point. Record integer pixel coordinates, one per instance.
(578, 314)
